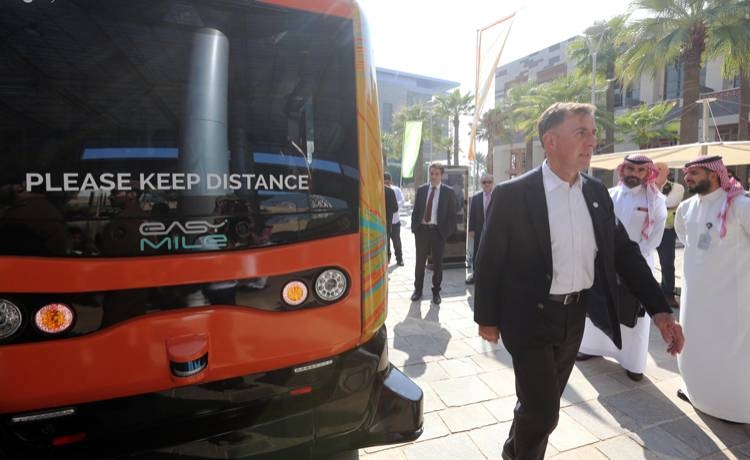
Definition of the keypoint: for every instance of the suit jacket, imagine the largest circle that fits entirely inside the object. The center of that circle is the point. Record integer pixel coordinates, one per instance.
(514, 265)
(476, 217)
(446, 210)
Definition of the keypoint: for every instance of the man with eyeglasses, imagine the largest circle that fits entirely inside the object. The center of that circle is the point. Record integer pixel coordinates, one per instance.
(477, 212)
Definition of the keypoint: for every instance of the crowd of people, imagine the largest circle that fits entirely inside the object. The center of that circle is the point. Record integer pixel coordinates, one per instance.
(582, 282)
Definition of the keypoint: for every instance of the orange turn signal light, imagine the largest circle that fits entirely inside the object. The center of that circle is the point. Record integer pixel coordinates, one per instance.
(54, 318)
(294, 293)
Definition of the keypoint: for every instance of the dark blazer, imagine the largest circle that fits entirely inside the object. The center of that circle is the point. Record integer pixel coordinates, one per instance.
(476, 218)
(514, 265)
(446, 210)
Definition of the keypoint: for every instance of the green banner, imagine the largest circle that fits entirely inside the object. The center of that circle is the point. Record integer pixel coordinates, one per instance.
(412, 140)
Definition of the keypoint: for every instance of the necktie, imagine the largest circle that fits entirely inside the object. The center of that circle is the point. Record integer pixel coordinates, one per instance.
(428, 209)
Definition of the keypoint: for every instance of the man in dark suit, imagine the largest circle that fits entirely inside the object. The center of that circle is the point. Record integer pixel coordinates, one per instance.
(391, 207)
(551, 251)
(433, 220)
(477, 212)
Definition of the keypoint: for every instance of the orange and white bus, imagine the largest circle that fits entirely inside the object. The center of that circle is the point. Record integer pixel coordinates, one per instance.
(192, 249)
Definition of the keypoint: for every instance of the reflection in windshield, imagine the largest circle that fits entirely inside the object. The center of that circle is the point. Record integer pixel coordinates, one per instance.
(233, 130)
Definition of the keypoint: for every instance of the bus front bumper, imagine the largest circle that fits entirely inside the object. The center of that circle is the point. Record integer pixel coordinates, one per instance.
(359, 400)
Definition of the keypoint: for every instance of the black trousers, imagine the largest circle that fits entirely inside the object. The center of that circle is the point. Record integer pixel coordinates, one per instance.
(396, 239)
(542, 367)
(429, 242)
(666, 260)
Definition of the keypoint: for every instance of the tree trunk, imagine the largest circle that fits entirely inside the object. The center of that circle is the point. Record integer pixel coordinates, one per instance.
(489, 160)
(455, 139)
(742, 128)
(528, 162)
(609, 131)
(418, 169)
(690, 93)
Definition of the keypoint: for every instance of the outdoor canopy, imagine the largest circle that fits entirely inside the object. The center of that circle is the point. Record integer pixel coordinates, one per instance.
(675, 156)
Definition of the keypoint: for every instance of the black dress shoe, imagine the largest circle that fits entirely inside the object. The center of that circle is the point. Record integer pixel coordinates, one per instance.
(470, 279)
(436, 299)
(584, 357)
(681, 394)
(416, 295)
(400, 263)
(634, 376)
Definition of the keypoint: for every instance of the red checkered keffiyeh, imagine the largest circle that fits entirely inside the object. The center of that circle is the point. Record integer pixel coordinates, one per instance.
(649, 182)
(729, 184)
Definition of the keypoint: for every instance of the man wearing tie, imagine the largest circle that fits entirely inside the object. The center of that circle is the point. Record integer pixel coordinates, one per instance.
(551, 251)
(477, 212)
(433, 220)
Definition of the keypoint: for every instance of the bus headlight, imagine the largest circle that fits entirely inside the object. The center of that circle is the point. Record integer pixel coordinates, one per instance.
(331, 285)
(54, 318)
(10, 319)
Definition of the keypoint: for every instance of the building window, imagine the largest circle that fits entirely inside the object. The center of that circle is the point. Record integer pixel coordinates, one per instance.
(553, 60)
(386, 117)
(673, 76)
(554, 47)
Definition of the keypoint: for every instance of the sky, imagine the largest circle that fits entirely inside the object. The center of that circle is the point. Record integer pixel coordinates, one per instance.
(437, 38)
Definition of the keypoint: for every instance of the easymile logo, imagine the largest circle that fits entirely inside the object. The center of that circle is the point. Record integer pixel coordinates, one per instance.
(166, 241)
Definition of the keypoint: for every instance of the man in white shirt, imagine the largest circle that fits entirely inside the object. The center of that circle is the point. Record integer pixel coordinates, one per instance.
(433, 221)
(641, 208)
(549, 256)
(674, 192)
(396, 220)
(714, 225)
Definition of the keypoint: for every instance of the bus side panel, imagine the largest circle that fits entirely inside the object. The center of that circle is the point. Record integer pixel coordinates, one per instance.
(372, 201)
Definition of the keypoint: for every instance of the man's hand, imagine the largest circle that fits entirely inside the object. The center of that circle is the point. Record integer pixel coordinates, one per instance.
(489, 333)
(671, 332)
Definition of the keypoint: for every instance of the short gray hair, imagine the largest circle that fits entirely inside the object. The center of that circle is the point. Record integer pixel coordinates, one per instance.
(557, 112)
(486, 176)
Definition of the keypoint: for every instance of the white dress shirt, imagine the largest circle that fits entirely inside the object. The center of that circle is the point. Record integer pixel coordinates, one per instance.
(571, 233)
(400, 201)
(631, 208)
(435, 200)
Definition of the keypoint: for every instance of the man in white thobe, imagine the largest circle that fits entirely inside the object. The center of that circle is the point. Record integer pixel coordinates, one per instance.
(714, 226)
(642, 209)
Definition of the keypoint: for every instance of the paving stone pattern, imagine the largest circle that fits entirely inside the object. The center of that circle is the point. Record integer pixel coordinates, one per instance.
(469, 390)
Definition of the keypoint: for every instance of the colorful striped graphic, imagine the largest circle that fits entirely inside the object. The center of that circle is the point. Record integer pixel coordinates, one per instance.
(372, 201)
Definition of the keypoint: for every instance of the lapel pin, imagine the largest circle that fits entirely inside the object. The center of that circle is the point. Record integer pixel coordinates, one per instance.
(596, 205)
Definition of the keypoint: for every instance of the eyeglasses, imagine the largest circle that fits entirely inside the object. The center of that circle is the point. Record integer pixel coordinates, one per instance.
(486, 181)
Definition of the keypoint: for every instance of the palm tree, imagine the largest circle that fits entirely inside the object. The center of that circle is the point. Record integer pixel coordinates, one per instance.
(732, 42)
(646, 124)
(674, 31)
(455, 104)
(492, 128)
(529, 101)
(605, 34)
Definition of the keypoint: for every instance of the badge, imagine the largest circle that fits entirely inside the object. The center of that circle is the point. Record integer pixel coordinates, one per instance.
(704, 240)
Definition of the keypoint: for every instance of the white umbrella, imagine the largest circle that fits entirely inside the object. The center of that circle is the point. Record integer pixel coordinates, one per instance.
(675, 156)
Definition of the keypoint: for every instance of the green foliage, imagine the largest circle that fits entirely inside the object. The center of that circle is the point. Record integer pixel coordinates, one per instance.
(645, 124)
(453, 105)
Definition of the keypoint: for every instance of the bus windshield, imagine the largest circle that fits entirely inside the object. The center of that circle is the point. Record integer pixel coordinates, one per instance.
(154, 127)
